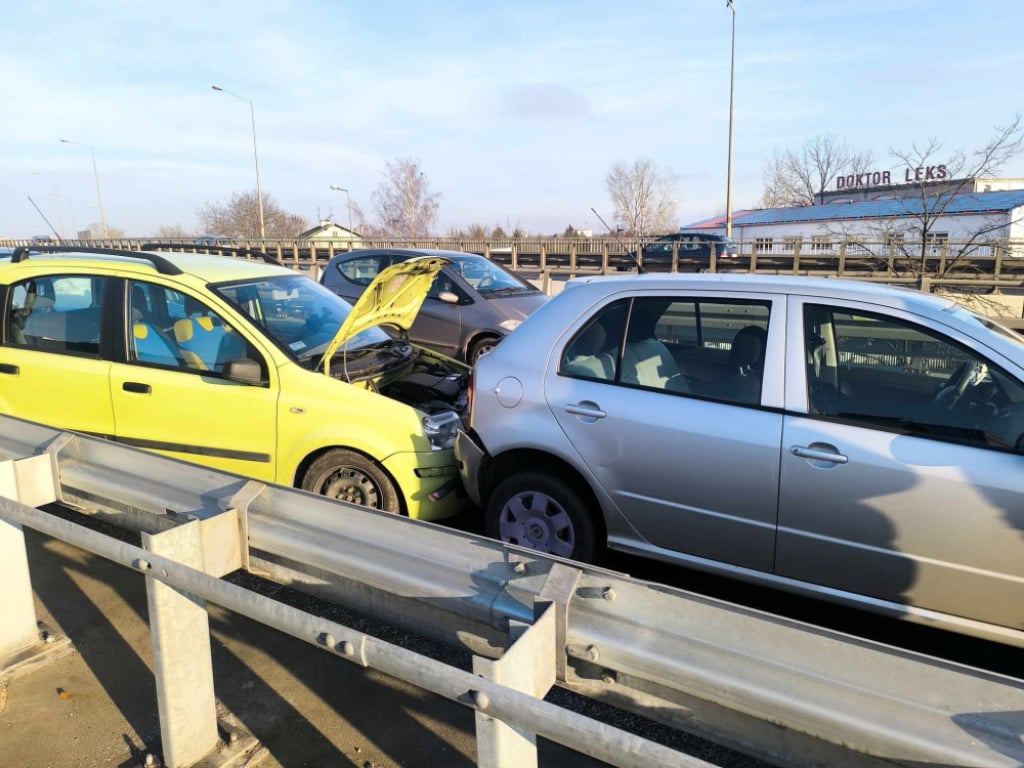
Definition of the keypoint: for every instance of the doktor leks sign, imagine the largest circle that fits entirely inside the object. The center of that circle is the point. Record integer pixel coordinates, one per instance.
(882, 178)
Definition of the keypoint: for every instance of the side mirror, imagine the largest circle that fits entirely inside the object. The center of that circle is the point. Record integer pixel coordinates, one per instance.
(244, 371)
(448, 297)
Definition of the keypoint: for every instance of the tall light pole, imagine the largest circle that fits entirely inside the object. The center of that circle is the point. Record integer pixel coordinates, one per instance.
(96, 173)
(348, 200)
(732, 84)
(255, 154)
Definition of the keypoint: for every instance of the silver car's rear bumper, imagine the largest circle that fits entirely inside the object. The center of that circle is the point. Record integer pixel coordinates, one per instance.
(469, 456)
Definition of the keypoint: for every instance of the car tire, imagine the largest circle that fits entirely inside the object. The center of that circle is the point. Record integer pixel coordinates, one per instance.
(536, 510)
(350, 476)
(481, 346)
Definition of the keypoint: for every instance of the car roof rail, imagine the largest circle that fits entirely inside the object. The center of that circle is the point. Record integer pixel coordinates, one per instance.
(219, 248)
(163, 266)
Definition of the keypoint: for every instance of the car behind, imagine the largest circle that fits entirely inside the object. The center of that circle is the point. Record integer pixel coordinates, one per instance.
(472, 304)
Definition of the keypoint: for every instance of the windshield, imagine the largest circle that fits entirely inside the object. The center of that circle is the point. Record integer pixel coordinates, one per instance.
(1002, 331)
(296, 313)
(487, 277)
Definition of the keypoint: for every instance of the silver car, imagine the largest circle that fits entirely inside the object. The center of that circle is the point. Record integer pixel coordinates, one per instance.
(848, 440)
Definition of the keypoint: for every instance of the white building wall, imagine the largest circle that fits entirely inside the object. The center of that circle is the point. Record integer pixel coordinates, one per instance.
(956, 228)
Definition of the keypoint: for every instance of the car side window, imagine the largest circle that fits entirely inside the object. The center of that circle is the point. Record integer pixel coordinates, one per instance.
(879, 371)
(362, 270)
(443, 282)
(173, 329)
(705, 348)
(58, 313)
(593, 353)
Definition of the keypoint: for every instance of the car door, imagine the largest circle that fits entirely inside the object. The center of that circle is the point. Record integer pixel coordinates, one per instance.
(52, 367)
(438, 324)
(690, 462)
(170, 395)
(896, 483)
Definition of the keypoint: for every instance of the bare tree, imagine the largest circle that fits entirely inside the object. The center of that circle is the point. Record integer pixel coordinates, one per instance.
(404, 204)
(799, 177)
(914, 232)
(173, 232)
(911, 242)
(643, 197)
(95, 231)
(239, 218)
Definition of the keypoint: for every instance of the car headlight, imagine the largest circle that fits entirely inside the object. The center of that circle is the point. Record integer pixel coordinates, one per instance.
(441, 429)
(509, 325)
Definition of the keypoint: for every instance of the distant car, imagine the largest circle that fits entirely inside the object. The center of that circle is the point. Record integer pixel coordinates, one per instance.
(471, 306)
(856, 442)
(211, 240)
(240, 365)
(694, 251)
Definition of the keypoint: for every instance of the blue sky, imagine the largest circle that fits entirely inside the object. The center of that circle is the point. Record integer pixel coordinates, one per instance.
(515, 111)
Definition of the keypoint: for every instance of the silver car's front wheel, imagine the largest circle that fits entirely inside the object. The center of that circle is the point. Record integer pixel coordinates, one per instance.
(543, 513)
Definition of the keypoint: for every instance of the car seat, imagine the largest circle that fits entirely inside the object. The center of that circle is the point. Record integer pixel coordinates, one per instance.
(588, 357)
(646, 360)
(746, 365)
(205, 341)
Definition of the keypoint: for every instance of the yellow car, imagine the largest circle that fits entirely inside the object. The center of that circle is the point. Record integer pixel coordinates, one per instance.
(241, 365)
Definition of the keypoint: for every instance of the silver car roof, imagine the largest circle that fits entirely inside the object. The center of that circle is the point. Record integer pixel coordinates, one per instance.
(781, 284)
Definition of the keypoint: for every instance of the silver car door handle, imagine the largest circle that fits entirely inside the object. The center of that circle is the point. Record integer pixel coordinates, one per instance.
(591, 411)
(818, 455)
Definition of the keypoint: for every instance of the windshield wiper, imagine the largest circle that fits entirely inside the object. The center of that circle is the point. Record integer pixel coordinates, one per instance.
(510, 290)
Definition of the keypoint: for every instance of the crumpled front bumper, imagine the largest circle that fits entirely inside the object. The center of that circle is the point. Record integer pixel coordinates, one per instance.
(470, 458)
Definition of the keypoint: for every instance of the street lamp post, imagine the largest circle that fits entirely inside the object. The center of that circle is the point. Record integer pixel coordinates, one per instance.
(255, 154)
(348, 200)
(96, 174)
(732, 83)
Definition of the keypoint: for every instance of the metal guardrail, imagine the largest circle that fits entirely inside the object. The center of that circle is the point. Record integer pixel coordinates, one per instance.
(989, 260)
(776, 688)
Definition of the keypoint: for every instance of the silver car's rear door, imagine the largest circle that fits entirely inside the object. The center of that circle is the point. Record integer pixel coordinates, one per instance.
(692, 476)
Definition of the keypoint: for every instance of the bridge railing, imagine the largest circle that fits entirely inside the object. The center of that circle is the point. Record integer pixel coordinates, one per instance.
(782, 690)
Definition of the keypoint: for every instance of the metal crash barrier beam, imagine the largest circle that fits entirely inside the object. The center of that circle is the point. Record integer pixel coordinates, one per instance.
(776, 688)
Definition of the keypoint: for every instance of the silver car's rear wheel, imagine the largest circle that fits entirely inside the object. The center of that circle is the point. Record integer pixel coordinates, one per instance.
(543, 513)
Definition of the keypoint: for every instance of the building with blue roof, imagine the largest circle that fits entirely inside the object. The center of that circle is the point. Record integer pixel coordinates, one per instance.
(899, 214)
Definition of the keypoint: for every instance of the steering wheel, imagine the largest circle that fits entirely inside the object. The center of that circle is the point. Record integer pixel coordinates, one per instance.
(949, 394)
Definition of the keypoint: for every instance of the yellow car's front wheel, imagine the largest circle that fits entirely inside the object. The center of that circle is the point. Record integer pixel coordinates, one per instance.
(349, 476)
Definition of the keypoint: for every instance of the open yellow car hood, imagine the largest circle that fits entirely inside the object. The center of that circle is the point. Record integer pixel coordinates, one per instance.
(394, 298)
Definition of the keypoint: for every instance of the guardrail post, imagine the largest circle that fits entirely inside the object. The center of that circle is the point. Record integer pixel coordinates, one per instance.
(29, 481)
(18, 628)
(182, 660)
(527, 666)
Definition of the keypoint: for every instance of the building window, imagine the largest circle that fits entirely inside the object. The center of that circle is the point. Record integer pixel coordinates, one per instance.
(763, 245)
(937, 242)
(821, 243)
(855, 246)
(792, 244)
